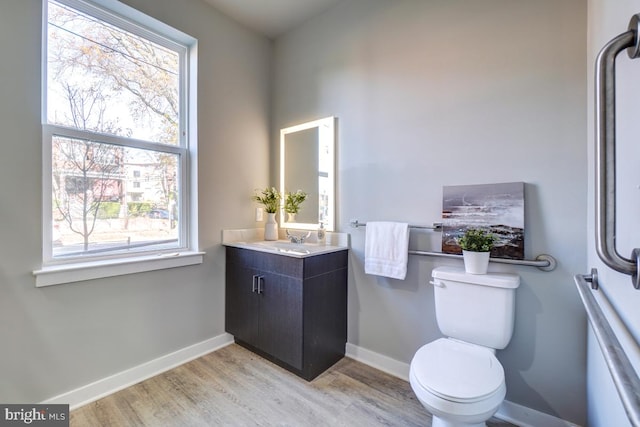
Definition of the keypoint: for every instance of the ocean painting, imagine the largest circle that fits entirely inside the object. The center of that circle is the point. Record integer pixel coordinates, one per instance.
(497, 208)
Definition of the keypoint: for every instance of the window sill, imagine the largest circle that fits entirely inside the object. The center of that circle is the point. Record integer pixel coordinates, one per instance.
(68, 273)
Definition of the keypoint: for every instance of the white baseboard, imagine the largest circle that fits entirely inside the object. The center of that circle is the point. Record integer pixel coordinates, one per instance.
(526, 417)
(509, 411)
(106, 386)
(378, 361)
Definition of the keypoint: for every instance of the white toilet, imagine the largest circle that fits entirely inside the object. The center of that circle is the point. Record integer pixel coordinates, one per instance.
(458, 379)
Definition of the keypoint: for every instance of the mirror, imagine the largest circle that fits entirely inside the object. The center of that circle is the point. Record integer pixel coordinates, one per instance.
(307, 164)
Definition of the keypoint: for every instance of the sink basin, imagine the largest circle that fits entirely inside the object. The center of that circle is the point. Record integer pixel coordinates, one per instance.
(288, 247)
(285, 247)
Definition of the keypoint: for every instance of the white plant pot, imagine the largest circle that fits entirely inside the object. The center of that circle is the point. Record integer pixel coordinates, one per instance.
(476, 262)
(271, 227)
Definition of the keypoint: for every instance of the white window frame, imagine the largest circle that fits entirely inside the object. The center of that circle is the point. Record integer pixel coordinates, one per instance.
(58, 271)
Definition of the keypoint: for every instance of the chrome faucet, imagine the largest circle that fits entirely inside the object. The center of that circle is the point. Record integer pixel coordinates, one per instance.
(296, 239)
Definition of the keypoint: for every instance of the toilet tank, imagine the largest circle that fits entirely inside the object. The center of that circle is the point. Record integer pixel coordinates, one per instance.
(476, 308)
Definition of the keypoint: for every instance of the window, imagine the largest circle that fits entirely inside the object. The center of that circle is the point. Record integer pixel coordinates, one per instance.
(116, 104)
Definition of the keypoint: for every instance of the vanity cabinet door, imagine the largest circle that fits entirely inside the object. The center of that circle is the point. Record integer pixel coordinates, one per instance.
(280, 318)
(264, 310)
(241, 313)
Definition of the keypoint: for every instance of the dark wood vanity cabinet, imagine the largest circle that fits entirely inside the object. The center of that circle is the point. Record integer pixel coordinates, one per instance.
(292, 311)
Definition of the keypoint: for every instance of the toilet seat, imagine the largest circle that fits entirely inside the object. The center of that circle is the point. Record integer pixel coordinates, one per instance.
(457, 371)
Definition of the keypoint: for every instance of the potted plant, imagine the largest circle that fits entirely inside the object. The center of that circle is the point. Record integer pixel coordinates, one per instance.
(270, 199)
(292, 202)
(476, 246)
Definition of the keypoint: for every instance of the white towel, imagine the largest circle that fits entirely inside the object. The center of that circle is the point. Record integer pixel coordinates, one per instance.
(386, 249)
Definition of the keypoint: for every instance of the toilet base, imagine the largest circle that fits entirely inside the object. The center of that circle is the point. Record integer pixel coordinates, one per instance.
(439, 422)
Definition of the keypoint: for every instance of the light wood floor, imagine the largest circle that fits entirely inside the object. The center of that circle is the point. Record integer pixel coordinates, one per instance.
(234, 387)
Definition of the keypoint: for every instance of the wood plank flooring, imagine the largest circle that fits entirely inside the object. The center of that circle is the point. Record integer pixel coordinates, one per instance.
(234, 387)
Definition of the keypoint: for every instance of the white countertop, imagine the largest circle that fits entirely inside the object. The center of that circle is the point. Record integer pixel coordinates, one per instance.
(253, 239)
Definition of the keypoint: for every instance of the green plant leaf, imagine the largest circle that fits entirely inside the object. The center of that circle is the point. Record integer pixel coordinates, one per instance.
(476, 240)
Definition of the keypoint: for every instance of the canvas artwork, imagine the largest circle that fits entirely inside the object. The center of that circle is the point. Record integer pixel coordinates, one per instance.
(498, 208)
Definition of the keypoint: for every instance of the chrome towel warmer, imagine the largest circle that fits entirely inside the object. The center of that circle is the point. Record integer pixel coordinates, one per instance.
(605, 197)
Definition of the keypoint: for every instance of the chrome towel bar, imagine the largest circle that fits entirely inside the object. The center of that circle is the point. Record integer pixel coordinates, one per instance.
(544, 262)
(605, 197)
(624, 376)
(436, 225)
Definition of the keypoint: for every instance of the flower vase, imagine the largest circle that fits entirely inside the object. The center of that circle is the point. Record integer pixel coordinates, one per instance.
(291, 217)
(476, 262)
(271, 227)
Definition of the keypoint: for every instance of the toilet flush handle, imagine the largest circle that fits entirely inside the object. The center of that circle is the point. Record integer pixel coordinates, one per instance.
(438, 284)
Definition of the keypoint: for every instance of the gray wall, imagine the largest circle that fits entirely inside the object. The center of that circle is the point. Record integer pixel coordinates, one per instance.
(427, 93)
(61, 337)
(607, 20)
(431, 93)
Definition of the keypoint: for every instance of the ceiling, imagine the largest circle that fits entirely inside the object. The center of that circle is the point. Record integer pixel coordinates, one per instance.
(271, 17)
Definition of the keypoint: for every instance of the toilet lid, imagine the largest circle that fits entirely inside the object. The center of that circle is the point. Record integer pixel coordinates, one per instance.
(457, 371)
